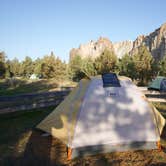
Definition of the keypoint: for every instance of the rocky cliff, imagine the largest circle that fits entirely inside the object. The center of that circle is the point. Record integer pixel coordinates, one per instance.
(92, 49)
(122, 48)
(155, 42)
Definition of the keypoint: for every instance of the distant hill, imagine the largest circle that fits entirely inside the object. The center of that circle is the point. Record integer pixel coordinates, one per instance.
(155, 42)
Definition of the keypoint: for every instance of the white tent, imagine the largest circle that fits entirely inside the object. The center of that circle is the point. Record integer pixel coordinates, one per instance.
(95, 118)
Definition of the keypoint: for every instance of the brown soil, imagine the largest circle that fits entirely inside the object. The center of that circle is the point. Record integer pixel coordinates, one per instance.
(48, 151)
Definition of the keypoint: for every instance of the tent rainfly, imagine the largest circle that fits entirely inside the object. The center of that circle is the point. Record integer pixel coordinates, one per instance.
(159, 83)
(105, 114)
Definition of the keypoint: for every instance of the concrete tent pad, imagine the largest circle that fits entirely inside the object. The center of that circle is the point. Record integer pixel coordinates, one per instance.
(114, 115)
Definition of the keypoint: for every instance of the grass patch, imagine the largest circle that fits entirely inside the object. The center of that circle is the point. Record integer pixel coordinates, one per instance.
(9, 87)
(20, 86)
(16, 125)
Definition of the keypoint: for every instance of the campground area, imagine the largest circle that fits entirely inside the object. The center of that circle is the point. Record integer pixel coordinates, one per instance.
(22, 144)
(82, 83)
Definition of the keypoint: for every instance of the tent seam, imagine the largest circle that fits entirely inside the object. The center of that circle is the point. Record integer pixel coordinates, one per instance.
(70, 112)
(78, 116)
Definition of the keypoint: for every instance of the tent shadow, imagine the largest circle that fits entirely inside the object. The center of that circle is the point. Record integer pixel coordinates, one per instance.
(37, 151)
(43, 151)
(49, 151)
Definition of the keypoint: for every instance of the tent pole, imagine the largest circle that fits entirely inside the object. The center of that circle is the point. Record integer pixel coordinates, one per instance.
(69, 153)
(159, 145)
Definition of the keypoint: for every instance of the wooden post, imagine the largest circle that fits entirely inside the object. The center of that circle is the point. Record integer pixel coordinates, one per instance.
(159, 145)
(69, 153)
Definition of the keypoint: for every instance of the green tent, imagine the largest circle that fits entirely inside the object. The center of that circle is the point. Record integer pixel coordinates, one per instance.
(158, 84)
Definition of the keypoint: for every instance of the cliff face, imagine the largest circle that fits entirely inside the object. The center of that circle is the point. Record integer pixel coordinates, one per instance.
(92, 49)
(155, 43)
(136, 44)
(122, 48)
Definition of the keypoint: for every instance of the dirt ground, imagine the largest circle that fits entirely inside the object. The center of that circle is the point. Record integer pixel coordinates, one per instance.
(23, 145)
(48, 151)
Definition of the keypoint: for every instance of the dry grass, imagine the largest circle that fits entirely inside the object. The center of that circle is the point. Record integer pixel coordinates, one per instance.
(10, 87)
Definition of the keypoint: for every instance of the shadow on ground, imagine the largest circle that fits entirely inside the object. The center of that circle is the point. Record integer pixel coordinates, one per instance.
(48, 151)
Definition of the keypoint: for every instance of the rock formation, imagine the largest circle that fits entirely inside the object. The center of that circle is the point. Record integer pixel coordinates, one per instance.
(122, 48)
(155, 43)
(92, 49)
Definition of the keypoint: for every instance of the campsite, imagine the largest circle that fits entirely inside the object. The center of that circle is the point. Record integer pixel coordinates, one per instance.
(82, 83)
(25, 146)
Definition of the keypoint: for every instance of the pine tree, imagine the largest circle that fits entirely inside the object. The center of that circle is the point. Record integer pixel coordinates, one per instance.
(106, 62)
(126, 66)
(143, 61)
(27, 67)
(162, 66)
(2, 65)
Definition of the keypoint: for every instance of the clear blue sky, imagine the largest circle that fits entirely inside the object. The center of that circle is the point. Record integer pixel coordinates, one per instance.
(36, 27)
